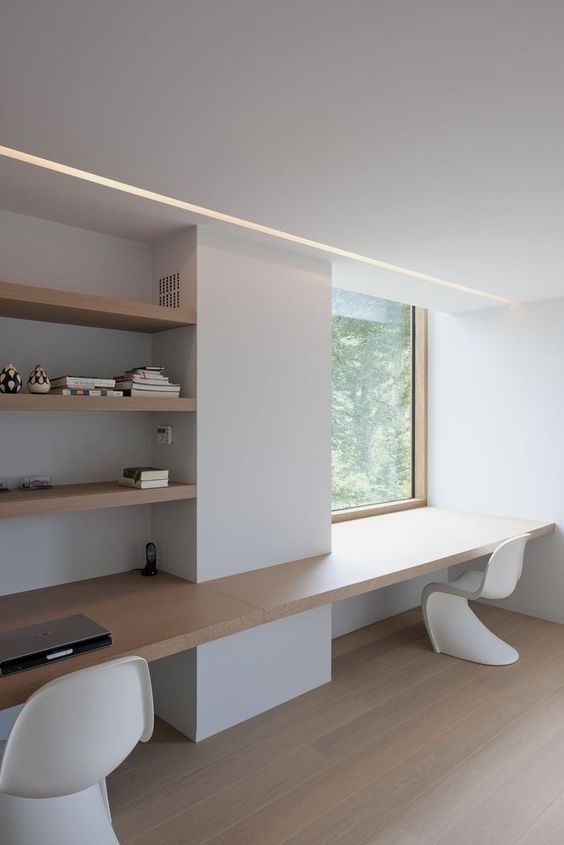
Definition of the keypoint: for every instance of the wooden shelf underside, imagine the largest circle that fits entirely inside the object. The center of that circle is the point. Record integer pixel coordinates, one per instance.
(28, 302)
(87, 497)
(48, 402)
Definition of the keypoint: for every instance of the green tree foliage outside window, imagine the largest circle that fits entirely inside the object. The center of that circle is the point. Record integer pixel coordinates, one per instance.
(372, 400)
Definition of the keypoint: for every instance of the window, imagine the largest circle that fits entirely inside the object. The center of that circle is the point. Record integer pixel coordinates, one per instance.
(378, 412)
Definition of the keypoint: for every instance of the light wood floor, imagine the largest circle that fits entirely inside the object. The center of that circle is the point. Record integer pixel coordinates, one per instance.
(404, 747)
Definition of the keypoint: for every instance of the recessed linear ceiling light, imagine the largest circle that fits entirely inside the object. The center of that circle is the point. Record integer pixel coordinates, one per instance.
(86, 176)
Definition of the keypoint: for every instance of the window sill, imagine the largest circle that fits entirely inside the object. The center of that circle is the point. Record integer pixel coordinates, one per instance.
(375, 510)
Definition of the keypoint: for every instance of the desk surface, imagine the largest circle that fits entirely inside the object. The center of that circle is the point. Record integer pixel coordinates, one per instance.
(157, 617)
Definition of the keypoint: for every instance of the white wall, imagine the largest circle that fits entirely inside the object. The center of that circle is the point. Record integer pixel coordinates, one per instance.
(264, 406)
(71, 447)
(263, 469)
(496, 423)
(40, 252)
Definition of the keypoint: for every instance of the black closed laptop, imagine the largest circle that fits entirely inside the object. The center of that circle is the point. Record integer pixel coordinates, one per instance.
(48, 642)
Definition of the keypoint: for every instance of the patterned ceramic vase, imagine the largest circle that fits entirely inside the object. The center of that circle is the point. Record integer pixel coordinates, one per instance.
(10, 380)
(38, 381)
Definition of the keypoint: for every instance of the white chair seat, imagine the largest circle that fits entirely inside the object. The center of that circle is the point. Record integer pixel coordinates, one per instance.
(67, 738)
(469, 582)
(454, 628)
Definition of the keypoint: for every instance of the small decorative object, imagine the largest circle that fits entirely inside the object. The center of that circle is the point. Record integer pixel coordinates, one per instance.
(10, 380)
(38, 381)
(4, 485)
(37, 482)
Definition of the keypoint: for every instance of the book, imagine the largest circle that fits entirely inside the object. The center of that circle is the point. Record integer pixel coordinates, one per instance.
(152, 391)
(81, 391)
(145, 473)
(142, 385)
(143, 374)
(145, 377)
(143, 485)
(127, 383)
(83, 381)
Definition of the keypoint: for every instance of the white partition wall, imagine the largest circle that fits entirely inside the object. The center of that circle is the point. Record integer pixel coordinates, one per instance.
(174, 525)
(264, 406)
(263, 472)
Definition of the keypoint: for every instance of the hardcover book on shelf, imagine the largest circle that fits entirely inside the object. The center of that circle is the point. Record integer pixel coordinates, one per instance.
(128, 383)
(143, 485)
(85, 382)
(145, 473)
(170, 394)
(160, 387)
(81, 391)
(155, 374)
(147, 381)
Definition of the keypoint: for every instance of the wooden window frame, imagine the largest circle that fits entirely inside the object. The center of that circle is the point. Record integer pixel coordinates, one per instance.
(420, 447)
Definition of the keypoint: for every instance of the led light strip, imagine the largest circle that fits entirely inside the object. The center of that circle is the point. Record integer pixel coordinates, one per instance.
(86, 176)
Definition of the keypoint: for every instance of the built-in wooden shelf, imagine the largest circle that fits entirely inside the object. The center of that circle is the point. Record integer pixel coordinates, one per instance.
(87, 497)
(47, 402)
(27, 302)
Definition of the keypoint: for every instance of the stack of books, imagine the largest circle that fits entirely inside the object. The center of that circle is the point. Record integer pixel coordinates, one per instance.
(144, 478)
(147, 381)
(84, 386)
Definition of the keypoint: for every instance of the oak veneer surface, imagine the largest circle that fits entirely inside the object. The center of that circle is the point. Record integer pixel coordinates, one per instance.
(156, 617)
(152, 617)
(28, 302)
(85, 497)
(48, 402)
(404, 747)
(371, 553)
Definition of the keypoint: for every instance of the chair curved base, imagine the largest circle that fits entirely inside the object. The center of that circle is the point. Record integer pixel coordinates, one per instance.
(455, 629)
(79, 818)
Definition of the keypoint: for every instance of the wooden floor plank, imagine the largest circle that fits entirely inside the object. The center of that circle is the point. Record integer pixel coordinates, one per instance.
(173, 789)
(547, 828)
(188, 823)
(506, 813)
(394, 752)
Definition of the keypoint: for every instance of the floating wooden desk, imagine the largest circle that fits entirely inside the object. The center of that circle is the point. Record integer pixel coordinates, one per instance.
(371, 553)
(157, 617)
(152, 617)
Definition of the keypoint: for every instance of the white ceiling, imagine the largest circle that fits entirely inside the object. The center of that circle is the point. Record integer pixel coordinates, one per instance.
(426, 134)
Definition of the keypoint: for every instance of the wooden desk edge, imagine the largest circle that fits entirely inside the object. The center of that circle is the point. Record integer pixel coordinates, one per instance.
(15, 689)
(294, 606)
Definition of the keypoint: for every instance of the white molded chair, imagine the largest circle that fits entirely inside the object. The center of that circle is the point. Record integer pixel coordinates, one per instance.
(454, 628)
(68, 737)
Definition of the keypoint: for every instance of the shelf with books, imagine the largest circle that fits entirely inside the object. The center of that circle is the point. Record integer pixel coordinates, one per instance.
(87, 497)
(50, 402)
(49, 305)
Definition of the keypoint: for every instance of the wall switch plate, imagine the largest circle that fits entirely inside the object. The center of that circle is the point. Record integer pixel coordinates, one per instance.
(164, 435)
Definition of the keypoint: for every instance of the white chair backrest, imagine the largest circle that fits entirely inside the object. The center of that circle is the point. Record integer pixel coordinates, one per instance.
(504, 568)
(77, 729)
